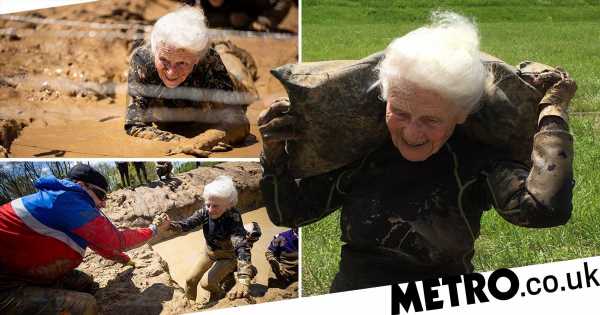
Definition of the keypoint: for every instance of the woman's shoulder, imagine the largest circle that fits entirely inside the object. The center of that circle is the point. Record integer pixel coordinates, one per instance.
(212, 60)
(142, 62)
(234, 215)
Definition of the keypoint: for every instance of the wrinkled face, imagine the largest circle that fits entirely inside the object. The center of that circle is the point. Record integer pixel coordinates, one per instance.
(420, 121)
(174, 64)
(217, 206)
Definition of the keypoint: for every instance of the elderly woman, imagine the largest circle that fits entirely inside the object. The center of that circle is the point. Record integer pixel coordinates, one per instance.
(227, 245)
(411, 209)
(179, 87)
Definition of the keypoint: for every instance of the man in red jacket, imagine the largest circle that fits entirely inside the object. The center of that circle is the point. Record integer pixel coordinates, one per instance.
(43, 238)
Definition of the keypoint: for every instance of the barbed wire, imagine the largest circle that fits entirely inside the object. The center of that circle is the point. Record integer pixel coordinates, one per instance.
(147, 90)
(108, 35)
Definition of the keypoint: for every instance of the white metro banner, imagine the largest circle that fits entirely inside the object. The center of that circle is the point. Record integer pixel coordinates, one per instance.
(568, 287)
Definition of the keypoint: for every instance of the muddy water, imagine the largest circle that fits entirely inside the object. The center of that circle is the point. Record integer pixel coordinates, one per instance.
(70, 125)
(182, 252)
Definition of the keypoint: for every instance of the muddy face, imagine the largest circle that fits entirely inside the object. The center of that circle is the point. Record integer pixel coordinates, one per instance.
(217, 206)
(174, 64)
(420, 121)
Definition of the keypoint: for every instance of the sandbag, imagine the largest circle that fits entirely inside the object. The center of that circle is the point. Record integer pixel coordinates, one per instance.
(342, 116)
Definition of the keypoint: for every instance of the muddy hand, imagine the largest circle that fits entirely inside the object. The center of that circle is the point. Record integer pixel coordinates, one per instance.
(202, 144)
(239, 291)
(189, 150)
(561, 92)
(276, 126)
(162, 223)
(221, 147)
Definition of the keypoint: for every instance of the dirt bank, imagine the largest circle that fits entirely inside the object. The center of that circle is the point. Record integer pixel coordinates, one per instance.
(88, 122)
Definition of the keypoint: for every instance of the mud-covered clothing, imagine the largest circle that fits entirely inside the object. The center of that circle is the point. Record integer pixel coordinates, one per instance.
(47, 233)
(405, 220)
(71, 295)
(225, 236)
(153, 109)
(210, 271)
(283, 249)
(267, 12)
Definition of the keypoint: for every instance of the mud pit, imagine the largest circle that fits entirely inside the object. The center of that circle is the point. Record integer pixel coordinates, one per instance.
(155, 285)
(89, 122)
(181, 253)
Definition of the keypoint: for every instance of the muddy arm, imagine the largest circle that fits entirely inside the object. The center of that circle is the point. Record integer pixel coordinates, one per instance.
(151, 133)
(241, 247)
(540, 196)
(300, 202)
(198, 218)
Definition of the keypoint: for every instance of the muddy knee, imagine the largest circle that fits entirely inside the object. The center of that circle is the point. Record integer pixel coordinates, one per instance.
(77, 303)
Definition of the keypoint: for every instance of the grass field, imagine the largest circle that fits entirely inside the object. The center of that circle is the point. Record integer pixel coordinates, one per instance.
(565, 33)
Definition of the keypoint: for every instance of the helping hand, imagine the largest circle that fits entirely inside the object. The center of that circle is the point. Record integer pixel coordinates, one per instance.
(162, 223)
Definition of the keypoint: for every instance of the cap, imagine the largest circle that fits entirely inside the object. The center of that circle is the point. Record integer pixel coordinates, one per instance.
(89, 175)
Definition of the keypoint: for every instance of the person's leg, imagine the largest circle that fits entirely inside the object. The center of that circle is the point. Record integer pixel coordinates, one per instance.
(212, 281)
(46, 301)
(79, 281)
(137, 173)
(191, 283)
(144, 172)
(122, 177)
(127, 176)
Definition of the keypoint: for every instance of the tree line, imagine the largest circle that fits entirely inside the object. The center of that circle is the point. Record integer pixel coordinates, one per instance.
(17, 179)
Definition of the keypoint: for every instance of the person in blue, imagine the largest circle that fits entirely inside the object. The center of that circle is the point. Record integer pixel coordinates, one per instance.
(44, 236)
(282, 255)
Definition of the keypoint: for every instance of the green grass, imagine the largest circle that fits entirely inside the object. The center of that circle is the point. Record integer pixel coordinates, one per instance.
(565, 33)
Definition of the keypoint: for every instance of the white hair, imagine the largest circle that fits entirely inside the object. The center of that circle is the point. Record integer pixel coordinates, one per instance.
(443, 57)
(223, 188)
(183, 28)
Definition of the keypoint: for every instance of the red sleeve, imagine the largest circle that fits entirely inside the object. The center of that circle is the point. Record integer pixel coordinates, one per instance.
(109, 242)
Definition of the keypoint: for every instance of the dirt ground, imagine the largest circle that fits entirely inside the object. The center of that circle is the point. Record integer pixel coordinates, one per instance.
(66, 122)
(155, 285)
(181, 253)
